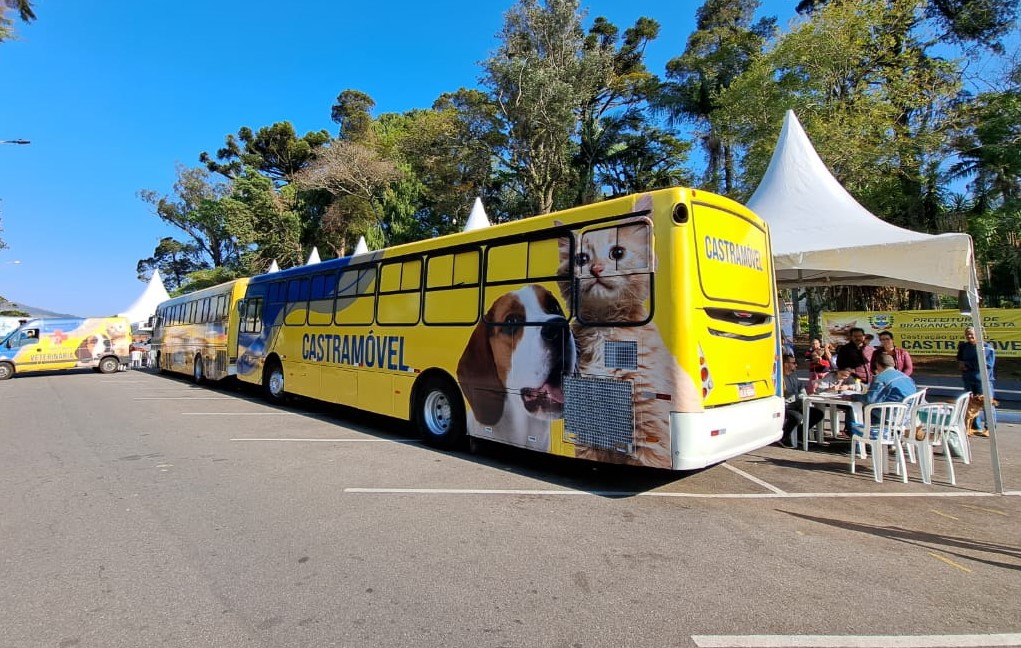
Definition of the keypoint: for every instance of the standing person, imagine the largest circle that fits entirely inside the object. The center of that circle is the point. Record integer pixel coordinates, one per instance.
(856, 356)
(794, 397)
(971, 375)
(901, 358)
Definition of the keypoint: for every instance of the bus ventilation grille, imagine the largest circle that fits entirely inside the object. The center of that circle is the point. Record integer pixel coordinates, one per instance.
(621, 355)
(598, 413)
(220, 367)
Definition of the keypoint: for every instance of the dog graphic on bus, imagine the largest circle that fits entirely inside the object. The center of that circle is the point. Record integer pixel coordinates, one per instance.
(512, 369)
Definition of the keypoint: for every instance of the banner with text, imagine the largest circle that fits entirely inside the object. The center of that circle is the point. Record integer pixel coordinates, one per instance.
(929, 332)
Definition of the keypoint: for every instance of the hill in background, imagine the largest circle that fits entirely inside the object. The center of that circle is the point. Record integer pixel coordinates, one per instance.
(32, 311)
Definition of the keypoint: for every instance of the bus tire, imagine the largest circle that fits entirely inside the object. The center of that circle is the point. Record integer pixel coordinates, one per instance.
(6, 370)
(273, 382)
(198, 372)
(109, 365)
(439, 413)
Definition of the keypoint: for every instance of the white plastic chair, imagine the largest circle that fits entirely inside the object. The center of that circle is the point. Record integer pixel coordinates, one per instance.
(958, 429)
(881, 428)
(934, 421)
(914, 401)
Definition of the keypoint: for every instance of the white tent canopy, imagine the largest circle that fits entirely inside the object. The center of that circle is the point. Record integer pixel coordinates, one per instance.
(361, 247)
(477, 218)
(145, 306)
(313, 257)
(822, 236)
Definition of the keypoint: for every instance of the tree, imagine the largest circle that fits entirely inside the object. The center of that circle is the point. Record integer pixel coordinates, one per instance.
(352, 112)
(877, 110)
(175, 261)
(259, 219)
(723, 46)
(982, 22)
(648, 159)
(198, 212)
(535, 78)
(612, 97)
(25, 13)
(275, 151)
(989, 157)
(353, 174)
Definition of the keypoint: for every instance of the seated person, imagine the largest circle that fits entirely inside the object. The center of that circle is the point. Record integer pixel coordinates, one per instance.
(835, 381)
(794, 398)
(818, 368)
(888, 386)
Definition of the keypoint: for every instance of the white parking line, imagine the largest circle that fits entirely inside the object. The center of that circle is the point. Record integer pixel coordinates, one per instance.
(334, 440)
(238, 413)
(183, 398)
(855, 641)
(754, 479)
(542, 492)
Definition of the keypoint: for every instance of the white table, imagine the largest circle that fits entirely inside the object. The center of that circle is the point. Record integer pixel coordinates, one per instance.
(830, 402)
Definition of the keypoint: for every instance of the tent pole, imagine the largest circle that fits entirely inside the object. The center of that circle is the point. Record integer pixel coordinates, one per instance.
(976, 319)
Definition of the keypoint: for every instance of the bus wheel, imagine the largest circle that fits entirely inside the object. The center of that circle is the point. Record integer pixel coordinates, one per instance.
(439, 414)
(197, 374)
(273, 382)
(6, 370)
(109, 365)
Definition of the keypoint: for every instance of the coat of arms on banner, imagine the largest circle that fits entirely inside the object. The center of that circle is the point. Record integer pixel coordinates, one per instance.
(881, 321)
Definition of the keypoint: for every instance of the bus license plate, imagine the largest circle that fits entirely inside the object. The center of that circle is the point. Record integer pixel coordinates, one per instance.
(745, 390)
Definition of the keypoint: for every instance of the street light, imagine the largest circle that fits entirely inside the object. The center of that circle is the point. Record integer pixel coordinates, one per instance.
(18, 141)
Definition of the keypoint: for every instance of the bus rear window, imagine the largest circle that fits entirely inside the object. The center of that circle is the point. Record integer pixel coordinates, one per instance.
(733, 257)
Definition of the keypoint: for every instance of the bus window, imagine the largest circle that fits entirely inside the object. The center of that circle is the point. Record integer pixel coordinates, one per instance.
(400, 295)
(251, 316)
(620, 256)
(507, 262)
(452, 289)
(320, 305)
(543, 258)
(297, 301)
(355, 299)
(466, 268)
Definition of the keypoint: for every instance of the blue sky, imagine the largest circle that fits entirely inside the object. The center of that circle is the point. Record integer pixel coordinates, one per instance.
(113, 96)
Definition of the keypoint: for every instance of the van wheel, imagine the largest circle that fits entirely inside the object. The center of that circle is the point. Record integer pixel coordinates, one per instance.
(198, 372)
(439, 414)
(6, 370)
(109, 365)
(273, 382)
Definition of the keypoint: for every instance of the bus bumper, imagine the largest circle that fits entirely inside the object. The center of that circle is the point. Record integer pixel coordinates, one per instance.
(705, 438)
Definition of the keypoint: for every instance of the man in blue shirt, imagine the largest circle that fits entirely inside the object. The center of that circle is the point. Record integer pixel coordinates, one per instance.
(889, 385)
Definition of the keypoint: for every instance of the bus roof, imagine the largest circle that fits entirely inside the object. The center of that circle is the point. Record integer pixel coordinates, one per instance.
(608, 208)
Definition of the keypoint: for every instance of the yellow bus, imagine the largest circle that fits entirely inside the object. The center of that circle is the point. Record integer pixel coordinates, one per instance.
(639, 330)
(196, 334)
(54, 343)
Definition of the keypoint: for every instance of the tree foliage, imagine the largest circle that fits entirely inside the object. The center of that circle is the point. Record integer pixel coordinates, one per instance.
(725, 42)
(537, 79)
(275, 151)
(567, 115)
(174, 260)
(25, 13)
